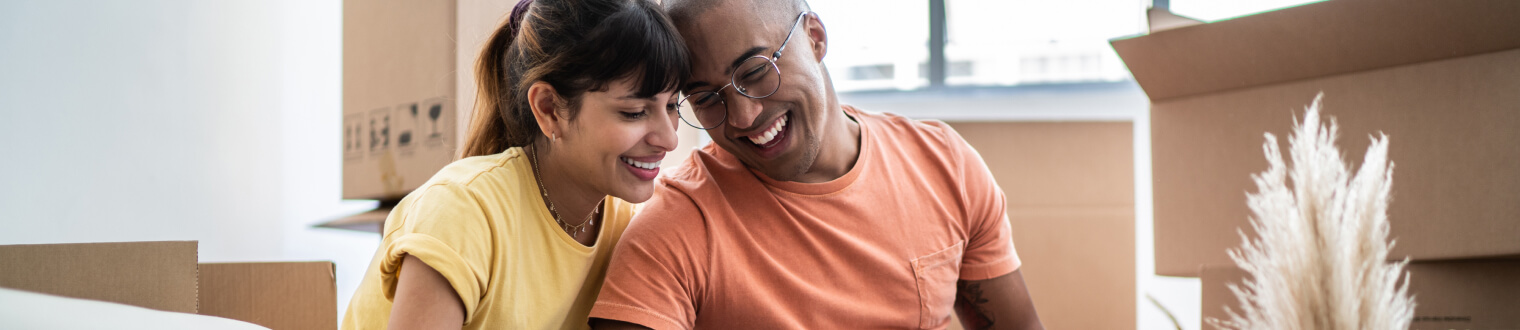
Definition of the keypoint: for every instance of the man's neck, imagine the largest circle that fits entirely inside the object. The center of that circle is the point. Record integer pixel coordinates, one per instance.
(839, 149)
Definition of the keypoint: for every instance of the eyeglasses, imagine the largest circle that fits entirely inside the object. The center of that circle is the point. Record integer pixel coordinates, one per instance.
(756, 77)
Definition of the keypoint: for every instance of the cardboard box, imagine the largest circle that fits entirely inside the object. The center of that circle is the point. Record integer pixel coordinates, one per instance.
(278, 295)
(157, 275)
(1472, 294)
(1070, 190)
(165, 276)
(408, 88)
(1439, 77)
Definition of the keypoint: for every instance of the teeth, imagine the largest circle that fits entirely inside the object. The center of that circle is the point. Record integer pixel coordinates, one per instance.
(769, 134)
(639, 164)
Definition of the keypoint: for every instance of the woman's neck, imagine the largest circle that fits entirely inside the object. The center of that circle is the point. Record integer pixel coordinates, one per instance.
(572, 199)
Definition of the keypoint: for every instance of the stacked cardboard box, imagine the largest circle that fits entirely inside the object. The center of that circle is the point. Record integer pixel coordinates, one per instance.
(402, 62)
(408, 88)
(166, 276)
(1439, 77)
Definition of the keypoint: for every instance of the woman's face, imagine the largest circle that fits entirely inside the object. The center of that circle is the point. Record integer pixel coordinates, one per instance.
(615, 144)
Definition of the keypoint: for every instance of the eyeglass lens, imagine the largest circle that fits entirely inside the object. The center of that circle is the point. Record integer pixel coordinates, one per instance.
(757, 77)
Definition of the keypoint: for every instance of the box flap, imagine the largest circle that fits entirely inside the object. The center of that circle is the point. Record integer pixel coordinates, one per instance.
(278, 295)
(157, 275)
(1314, 40)
(1159, 19)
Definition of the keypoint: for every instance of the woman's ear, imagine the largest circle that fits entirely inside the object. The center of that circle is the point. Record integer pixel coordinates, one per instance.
(543, 101)
(818, 37)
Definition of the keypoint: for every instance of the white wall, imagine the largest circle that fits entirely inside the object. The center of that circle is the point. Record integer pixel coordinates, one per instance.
(213, 121)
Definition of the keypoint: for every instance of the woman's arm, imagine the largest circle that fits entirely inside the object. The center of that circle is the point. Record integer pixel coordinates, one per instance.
(424, 299)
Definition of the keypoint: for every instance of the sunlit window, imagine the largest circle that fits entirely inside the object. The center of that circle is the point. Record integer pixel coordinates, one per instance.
(1013, 42)
(884, 44)
(876, 44)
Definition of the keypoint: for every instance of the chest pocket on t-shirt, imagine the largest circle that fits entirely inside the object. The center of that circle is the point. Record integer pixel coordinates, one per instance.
(935, 274)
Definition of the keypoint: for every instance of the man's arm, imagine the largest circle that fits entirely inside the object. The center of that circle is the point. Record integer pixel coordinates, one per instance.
(998, 303)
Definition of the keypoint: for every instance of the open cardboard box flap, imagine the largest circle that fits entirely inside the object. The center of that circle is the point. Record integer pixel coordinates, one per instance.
(1315, 40)
(165, 276)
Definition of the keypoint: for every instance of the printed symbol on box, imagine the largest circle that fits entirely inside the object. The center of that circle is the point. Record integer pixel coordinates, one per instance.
(439, 123)
(406, 118)
(353, 136)
(379, 130)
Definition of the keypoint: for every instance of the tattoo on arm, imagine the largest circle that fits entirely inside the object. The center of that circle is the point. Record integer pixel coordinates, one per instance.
(970, 306)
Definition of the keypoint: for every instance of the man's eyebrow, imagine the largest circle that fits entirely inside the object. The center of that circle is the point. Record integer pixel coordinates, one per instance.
(747, 54)
(695, 85)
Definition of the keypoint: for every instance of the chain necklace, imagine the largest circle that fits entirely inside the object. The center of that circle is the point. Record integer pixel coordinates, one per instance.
(568, 228)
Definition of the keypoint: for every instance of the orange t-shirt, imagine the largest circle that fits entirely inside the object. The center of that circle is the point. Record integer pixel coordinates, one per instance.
(723, 247)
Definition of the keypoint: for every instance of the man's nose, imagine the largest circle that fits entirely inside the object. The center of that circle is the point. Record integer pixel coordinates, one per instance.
(743, 111)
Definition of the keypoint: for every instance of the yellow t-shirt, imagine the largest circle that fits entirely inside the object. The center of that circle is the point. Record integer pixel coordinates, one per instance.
(481, 222)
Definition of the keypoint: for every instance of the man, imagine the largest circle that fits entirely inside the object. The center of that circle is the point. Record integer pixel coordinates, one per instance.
(805, 214)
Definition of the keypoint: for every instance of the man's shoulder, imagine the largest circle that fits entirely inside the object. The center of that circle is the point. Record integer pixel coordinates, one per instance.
(704, 170)
(931, 135)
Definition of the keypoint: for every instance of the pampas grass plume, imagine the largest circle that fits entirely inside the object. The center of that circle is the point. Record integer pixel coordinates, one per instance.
(1320, 259)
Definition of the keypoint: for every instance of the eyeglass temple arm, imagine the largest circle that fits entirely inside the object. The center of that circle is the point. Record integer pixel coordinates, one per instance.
(777, 54)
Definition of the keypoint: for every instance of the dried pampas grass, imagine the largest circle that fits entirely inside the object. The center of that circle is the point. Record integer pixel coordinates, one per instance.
(1320, 261)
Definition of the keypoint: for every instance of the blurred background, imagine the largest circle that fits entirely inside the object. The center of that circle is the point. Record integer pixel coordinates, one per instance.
(218, 121)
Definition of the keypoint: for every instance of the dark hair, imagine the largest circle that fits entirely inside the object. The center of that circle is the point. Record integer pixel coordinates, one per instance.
(575, 46)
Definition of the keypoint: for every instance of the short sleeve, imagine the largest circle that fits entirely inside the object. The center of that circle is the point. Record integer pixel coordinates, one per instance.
(446, 228)
(658, 269)
(989, 247)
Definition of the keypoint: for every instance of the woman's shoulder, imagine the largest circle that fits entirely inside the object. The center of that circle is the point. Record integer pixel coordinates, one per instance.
(459, 191)
(473, 179)
(469, 170)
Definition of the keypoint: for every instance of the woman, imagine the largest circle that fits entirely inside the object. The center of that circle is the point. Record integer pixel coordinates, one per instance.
(576, 109)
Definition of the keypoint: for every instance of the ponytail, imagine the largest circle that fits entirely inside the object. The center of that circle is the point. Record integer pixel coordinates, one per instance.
(575, 46)
(488, 133)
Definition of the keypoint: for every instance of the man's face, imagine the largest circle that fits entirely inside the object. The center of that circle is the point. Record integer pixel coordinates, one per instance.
(779, 135)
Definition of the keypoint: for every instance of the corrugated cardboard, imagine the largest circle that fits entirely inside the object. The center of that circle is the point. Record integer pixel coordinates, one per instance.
(1070, 190)
(1475, 294)
(278, 295)
(165, 276)
(1439, 77)
(157, 275)
(400, 121)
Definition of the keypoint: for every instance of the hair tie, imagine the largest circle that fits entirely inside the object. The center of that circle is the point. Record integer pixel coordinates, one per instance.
(515, 20)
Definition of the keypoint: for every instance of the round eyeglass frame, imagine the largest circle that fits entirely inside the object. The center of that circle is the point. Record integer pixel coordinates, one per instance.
(699, 112)
(733, 80)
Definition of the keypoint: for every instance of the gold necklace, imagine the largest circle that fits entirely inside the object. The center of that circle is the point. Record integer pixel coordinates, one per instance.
(568, 228)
